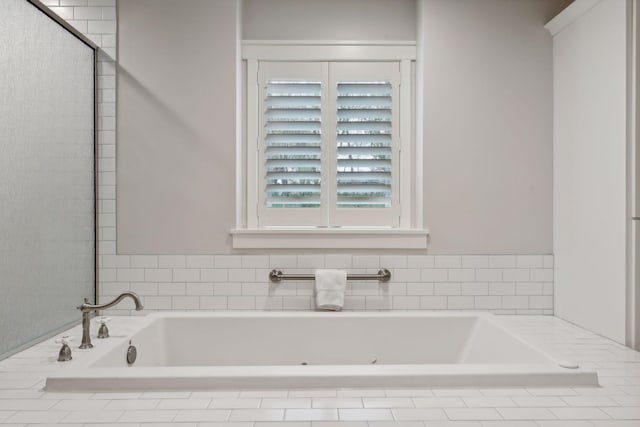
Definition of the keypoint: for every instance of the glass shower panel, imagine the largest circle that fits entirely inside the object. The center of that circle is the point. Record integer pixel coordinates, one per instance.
(47, 237)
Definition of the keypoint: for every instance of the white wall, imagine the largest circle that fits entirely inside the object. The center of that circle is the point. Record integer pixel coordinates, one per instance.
(487, 117)
(590, 169)
(329, 20)
(176, 125)
(488, 126)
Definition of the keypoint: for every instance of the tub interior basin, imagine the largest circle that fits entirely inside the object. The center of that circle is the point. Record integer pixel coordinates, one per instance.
(214, 350)
(325, 340)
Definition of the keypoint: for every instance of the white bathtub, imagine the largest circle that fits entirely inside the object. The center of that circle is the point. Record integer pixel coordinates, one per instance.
(190, 351)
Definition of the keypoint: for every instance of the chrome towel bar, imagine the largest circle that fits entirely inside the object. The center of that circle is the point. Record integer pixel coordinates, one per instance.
(276, 276)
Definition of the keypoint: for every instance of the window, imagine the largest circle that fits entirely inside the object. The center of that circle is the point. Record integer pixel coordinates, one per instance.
(329, 142)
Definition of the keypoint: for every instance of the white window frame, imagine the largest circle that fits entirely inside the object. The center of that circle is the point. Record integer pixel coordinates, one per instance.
(247, 234)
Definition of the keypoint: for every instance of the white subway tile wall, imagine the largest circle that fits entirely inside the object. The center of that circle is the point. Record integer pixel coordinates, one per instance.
(96, 19)
(505, 284)
(240, 282)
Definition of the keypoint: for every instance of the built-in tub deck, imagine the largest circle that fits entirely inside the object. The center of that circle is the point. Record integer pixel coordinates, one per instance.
(196, 351)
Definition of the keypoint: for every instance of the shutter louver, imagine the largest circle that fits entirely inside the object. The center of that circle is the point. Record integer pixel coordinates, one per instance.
(364, 144)
(293, 144)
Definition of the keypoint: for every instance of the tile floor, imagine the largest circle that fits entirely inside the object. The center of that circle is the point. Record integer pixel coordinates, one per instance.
(616, 403)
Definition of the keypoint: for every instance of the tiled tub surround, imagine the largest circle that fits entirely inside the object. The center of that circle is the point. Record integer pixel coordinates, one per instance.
(616, 403)
(503, 284)
(204, 351)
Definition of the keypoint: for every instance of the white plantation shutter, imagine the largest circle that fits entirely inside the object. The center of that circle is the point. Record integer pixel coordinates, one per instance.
(328, 144)
(290, 145)
(364, 144)
(293, 141)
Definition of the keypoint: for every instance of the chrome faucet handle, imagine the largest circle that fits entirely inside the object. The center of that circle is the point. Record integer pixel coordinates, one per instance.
(65, 351)
(103, 332)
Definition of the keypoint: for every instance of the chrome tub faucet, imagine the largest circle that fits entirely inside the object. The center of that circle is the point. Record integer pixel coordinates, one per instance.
(86, 308)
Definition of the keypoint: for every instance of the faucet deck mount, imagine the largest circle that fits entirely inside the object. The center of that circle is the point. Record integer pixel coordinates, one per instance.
(87, 308)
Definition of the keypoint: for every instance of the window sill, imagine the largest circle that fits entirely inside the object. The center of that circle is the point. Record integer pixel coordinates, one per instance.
(329, 238)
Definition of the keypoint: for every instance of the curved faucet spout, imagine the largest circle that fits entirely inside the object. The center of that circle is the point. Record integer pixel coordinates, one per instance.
(86, 308)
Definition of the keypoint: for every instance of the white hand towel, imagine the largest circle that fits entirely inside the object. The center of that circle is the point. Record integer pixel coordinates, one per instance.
(330, 285)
